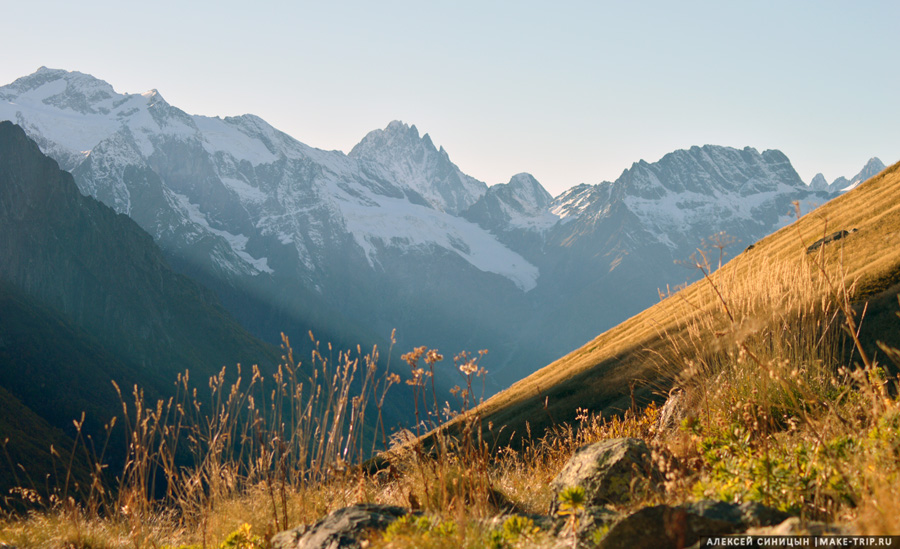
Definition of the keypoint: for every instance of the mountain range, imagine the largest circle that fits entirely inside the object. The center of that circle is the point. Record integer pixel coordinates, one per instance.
(394, 235)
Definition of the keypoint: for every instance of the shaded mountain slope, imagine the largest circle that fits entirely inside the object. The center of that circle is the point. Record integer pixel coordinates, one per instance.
(102, 271)
(25, 438)
(87, 298)
(51, 372)
(59, 370)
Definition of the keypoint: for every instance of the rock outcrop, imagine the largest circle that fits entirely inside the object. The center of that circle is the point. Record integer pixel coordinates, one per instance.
(829, 239)
(609, 471)
(342, 529)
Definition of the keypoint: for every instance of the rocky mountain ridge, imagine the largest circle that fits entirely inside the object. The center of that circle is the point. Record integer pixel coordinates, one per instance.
(840, 185)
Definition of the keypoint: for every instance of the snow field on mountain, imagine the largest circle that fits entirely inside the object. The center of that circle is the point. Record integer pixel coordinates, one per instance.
(237, 242)
(398, 223)
(679, 213)
(219, 136)
(530, 221)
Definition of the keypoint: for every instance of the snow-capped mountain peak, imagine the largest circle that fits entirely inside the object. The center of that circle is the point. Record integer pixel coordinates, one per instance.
(575, 201)
(873, 167)
(523, 203)
(687, 192)
(529, 191)
(708, 169)
(65, 90)
(397, 136)
(397, 154)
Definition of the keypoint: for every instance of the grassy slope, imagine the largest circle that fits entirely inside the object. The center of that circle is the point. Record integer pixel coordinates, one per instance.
(597, 376)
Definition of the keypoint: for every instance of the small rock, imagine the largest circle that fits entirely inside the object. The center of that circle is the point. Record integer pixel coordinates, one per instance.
(664, 527)
(608, 471)
(830, 238)
(342, 529)
(590, 521)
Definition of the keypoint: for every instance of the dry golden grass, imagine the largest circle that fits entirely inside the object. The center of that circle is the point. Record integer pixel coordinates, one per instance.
(465, 483)
(266, 452)
(770, 402)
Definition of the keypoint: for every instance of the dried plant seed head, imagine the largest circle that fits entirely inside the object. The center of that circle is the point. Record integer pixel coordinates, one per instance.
(433, 356)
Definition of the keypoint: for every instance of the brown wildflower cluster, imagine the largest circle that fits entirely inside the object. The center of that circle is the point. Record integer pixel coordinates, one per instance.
(412, 358)
(468, 364)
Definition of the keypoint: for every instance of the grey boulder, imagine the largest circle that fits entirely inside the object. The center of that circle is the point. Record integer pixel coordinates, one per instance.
(342, 529)
(609, 471)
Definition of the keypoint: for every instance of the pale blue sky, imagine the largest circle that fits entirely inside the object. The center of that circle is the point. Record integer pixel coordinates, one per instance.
(570, 93)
